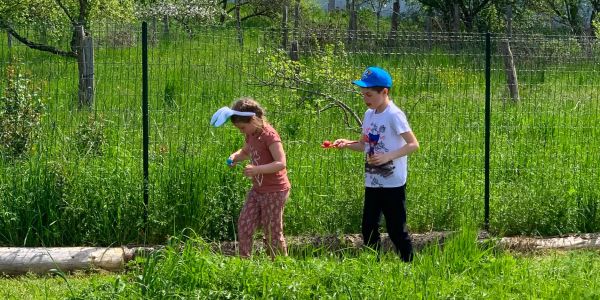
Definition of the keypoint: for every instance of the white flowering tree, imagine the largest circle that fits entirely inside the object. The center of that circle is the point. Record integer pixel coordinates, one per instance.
(186, 12)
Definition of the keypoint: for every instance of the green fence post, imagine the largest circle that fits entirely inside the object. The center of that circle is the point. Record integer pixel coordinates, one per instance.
(488, 59)
(145, 123)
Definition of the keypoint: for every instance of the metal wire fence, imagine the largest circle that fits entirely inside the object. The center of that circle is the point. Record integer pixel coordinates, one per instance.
(78, 178)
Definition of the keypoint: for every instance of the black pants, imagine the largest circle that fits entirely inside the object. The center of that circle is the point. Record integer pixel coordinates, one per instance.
(391, 202)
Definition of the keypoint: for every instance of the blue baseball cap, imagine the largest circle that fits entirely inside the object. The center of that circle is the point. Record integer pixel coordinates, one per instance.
(374, 76)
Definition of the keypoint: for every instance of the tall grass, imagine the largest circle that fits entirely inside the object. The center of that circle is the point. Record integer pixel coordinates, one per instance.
(461, 268)
(82, 182)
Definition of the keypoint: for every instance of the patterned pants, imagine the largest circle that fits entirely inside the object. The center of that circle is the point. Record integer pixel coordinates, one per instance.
(263, 210)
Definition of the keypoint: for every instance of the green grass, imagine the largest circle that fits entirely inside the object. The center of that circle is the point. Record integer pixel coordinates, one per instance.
(544, 150)
(461, 269)
(50, 287)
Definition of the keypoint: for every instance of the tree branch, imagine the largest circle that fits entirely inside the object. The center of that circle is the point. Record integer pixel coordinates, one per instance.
(34, 45)
(65, 11)
(333, 101)
(256, 14)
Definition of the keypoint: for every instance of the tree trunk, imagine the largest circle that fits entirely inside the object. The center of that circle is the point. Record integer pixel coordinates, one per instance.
(296, 19)
(592, 27)
(428, 30)
(331, 5)
(153, 35)
(43, 35)
(456, 19)
(222, 19)
(393, 35)
(509, 17)
(165, 27)
(469, 22)
(455, 27)
(239, 22)
(85, 63)
(16, 261)
(284, 27)
(294, 51)
(352, 24)
(395, 16)
(294, 54)
(511, 72)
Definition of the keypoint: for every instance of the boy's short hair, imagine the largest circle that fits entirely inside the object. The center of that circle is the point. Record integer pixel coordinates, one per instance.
(378, 89)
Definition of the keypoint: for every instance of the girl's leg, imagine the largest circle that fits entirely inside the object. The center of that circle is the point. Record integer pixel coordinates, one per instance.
(272, 205)
(247, 223)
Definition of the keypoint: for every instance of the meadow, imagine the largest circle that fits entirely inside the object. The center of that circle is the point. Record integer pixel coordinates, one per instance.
(80, 181)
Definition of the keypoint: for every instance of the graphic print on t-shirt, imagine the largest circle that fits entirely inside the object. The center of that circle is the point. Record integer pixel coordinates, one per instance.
(375, 140)
(254, 159)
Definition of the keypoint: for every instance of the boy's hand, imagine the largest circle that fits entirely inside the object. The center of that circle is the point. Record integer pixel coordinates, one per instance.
(378, 159)
(251, 171)
(342, 143)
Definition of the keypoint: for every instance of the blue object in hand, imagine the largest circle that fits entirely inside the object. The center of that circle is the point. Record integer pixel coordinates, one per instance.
(229, 161)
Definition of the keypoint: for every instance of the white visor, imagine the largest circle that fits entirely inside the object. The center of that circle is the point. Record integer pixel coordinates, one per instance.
(224, 113)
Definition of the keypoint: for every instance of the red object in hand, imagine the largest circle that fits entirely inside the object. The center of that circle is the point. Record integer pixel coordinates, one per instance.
(326, 144)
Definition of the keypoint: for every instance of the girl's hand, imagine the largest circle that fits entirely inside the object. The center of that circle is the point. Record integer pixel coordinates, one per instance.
(251, 171)
(230, 162)
(378, 159)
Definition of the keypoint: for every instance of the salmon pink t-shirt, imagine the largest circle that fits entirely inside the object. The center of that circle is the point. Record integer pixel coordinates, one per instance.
(257, 145)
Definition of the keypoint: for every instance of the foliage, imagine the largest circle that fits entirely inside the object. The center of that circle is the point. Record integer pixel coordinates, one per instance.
(21, 109)
(57, 14)
(90, 137)
(319, 83)
(186, 12)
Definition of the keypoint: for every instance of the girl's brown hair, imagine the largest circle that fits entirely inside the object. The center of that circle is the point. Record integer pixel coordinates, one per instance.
(247, 104)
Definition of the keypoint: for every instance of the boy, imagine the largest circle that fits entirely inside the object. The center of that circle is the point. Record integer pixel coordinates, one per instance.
(386, 140)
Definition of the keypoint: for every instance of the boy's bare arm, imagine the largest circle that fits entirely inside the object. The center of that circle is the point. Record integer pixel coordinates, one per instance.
(348, 144)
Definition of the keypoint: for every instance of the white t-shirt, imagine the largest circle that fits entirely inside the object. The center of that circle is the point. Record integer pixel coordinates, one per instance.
(382, 134)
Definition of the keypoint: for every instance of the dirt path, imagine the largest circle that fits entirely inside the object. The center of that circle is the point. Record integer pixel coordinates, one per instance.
(354, 242)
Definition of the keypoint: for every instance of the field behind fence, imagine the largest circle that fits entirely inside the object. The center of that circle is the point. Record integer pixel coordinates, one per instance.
(80, 181)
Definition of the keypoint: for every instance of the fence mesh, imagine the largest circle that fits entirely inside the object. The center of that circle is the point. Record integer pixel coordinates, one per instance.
(78, 178)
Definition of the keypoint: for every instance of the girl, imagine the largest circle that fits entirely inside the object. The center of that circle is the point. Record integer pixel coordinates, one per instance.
(267, 169)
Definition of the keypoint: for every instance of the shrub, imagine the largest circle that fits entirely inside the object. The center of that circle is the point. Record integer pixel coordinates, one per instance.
(21, 110)
(90, 136)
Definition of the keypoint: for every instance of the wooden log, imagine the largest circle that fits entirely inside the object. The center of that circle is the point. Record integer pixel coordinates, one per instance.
(16, 261)
(573, 242)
